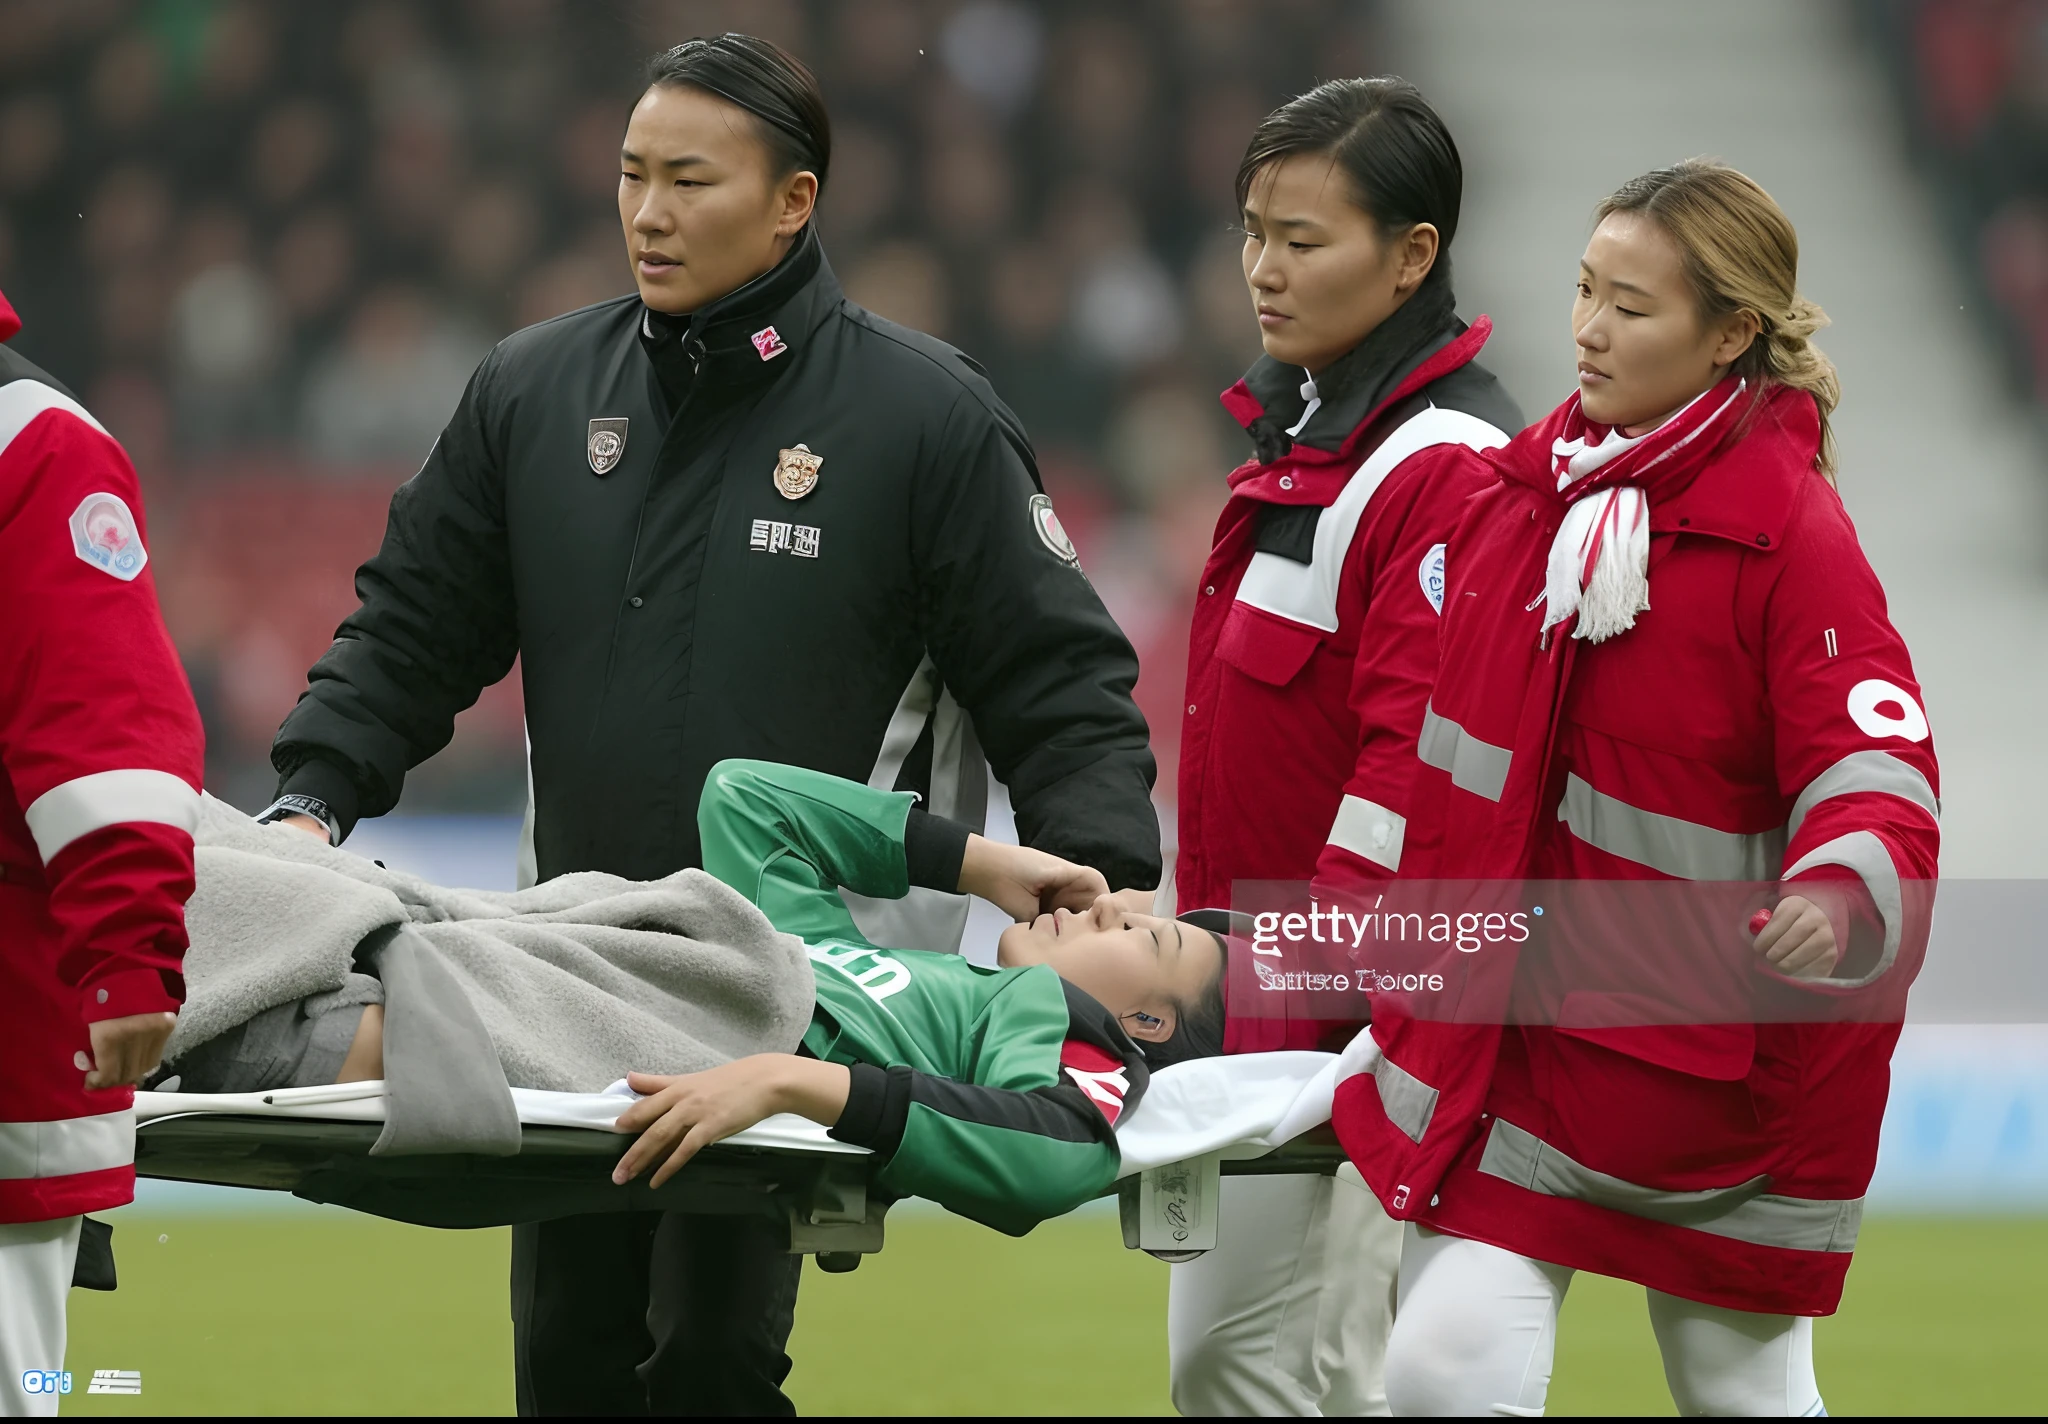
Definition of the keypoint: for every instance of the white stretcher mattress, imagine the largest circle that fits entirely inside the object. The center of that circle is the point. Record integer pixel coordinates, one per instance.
(1236, 1108)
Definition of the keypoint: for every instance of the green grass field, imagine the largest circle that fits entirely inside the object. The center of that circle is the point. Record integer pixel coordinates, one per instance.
(339, 1314)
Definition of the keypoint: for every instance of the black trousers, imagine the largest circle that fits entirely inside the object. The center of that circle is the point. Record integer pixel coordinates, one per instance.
(652, 1313)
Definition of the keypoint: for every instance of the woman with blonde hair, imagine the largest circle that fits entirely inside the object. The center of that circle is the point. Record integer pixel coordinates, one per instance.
(1665, 658)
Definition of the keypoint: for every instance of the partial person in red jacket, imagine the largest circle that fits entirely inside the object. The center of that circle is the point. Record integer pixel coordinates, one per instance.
(101, 751)
(1665, 660)
(1314, 639)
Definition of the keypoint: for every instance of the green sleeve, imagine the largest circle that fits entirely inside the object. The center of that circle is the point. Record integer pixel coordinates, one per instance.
(788, 838)
(1043, 1160)
(1022, 1142)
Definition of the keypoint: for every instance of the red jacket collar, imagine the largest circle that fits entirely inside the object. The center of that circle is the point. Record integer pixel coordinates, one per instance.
(9, 322)
(1744, 490)
(1317, 476)
(1747, 492)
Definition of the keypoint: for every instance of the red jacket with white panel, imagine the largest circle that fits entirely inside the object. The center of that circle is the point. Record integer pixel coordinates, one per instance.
(1315, 632)
(1757, 732)
(100, 768)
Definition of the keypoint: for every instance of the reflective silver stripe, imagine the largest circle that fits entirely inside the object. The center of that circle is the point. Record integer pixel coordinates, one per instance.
(526, 860)
(1370, 831)
(1866, 771)
(926, 918)
(1479, 767)
(1741, 1213)
(22, 401)
(959, 773)
(1865, 854)
(1409, 1102)
(1307, 593)
(67, 1146)
(109, 798)
(906, 724)
(1671, 844)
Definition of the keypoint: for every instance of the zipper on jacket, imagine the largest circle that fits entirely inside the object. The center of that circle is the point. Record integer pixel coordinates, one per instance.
(611, 656)
(694, 348)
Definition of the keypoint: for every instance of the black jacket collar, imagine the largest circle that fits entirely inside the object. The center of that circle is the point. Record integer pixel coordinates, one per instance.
(1355, 384)
(1091, 1023)
(749, 336)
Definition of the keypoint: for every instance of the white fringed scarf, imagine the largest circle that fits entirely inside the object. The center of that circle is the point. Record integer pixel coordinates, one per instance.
(1599, 566)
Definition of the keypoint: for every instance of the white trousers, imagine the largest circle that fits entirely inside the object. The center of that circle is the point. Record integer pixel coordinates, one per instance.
(36, 1258)
(1477, 1330)
(1289, 1314)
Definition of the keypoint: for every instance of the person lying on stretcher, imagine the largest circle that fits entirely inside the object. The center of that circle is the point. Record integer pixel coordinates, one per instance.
(994, 1092)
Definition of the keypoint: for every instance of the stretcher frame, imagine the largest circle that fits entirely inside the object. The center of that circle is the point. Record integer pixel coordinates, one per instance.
(825, 1196)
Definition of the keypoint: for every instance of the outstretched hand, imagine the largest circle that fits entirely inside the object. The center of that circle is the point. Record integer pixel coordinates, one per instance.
(683, 1114)
(1023, 882)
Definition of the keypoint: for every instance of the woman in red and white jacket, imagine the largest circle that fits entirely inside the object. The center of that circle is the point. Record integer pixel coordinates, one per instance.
(1314, 638)
(100, 764)
(1665, 659)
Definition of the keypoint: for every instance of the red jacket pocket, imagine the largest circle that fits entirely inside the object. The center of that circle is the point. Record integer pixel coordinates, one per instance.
(1264, 645)
(1626, 1024)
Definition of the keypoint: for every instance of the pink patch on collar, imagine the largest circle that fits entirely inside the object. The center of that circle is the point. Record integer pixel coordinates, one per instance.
(768, 344)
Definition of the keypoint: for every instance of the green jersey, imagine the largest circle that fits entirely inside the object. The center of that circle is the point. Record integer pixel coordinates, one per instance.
(993, 1092)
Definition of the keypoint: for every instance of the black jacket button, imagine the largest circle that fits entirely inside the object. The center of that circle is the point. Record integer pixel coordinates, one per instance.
(636, 602)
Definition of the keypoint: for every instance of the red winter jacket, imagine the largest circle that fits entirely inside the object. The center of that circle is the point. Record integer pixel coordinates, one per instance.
(1759, 723)
(1315, 633)
(101, 749)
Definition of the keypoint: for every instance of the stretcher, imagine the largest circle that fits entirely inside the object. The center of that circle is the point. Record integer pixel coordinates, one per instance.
(1199, 1121)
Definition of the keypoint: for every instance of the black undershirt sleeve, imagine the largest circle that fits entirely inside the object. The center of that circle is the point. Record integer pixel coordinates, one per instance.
(933, 848)
(877, 1108)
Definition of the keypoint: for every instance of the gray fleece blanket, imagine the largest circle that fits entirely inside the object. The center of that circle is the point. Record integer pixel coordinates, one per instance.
(564, 986)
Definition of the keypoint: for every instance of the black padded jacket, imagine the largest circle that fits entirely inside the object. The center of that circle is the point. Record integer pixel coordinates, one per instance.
(620, 503)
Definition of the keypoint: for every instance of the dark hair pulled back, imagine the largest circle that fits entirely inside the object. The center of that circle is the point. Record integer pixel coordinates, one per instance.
(1401, 160)
(768, 82)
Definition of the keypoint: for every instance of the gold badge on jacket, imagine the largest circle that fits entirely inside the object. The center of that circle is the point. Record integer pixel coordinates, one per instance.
(796, 472)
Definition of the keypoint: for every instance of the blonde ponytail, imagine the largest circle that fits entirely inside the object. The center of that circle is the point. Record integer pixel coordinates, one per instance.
(1785, 354)
(1742, 254)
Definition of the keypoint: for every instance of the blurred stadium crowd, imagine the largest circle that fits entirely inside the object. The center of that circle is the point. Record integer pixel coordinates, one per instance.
(267, 243)
(1974, 74)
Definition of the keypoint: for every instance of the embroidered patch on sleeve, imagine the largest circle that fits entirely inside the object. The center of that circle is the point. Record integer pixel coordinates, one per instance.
(1097, 1073)
(1432, 576)
(1051, 532)
(104, 534)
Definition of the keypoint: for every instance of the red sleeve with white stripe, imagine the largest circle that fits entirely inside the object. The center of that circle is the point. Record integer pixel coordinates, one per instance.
(98, 733)
(1854, 750)
(1402, 553)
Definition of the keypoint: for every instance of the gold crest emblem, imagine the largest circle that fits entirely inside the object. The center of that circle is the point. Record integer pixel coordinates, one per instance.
(796, 472)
